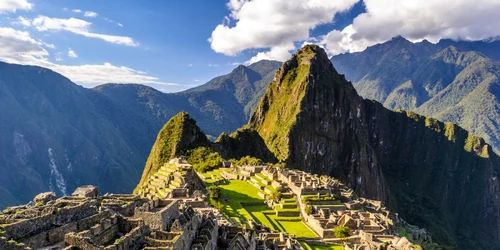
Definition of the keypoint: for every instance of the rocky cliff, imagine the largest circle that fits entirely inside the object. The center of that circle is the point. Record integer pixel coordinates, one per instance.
(178, 135)
(434, 174)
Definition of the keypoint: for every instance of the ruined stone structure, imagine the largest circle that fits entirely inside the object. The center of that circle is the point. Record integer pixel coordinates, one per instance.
(175, 179)
(181, 219)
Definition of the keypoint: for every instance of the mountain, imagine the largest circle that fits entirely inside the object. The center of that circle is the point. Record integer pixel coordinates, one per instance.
(222, 104)
(57, 135)
(451, 81)
(247, 84)
(178, 135)
(436, 175)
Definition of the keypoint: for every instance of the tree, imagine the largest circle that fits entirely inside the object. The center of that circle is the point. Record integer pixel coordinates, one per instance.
(276, 195)
(204, 159)
(341, 232)
(214, 192)
(308, 210)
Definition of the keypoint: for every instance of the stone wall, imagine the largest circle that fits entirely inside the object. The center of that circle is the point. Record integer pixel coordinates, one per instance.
(158, 214)
(11, 245)
(62, 216)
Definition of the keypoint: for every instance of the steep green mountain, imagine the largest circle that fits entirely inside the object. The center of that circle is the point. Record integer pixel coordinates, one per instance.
(451, 81)
(178, 135)
(436, 175)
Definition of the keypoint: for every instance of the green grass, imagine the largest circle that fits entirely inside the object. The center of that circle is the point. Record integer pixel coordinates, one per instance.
(297, 228)
(237, 192)
(308, 246)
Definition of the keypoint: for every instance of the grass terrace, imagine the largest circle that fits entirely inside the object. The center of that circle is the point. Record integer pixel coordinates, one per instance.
(308, 246)
(242, 203)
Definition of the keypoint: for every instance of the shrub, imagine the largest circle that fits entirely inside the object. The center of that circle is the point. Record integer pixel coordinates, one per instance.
(341, 232)
(204, 159)
(214, 192)
(247, 160)
(39, 204)
(308, 210)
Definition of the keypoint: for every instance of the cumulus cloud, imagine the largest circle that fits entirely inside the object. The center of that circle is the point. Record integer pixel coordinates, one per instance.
(77, 26)
(72, 53)
(77, 11)
(90, 14)
(14, 5)
(273, 25)
(19, 47)
(417, 20)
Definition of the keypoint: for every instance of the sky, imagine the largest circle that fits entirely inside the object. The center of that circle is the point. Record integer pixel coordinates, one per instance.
(173, 45)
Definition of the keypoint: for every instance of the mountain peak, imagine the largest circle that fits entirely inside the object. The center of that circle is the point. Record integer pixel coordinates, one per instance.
(177, 136)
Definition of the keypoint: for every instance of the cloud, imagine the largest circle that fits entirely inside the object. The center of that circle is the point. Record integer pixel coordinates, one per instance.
(213, 65)
(77, 11)
(190, 65)
(77, 26)
(425, 19)
(14, 5)
(90, 14)
(119, 24)
(72, 53)
(273, 25)
(19, 47)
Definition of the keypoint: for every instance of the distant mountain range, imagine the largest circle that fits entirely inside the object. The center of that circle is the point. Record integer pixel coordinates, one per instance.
(452, 81)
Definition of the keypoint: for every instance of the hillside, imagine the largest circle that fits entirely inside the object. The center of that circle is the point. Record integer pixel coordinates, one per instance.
(57, 135)
(451, 81)
(419, 166)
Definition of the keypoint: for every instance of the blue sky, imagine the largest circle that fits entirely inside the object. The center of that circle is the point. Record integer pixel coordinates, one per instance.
(174, 45)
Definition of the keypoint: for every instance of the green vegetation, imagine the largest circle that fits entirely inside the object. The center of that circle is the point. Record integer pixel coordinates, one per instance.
(308, 246)
(341, 232)
(178, 135)
(204, 159)
(283, 99)
(39, 204)
(306, 199)
(308, 210)
(214, 192)
(247, 160)
(240, 202)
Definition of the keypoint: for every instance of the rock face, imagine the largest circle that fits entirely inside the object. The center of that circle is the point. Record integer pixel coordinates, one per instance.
(45, 197)
(435, 174)
(179, 134)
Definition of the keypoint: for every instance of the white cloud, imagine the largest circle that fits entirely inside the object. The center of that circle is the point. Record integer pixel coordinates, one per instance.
(213, 65)
(19, 47)
(90, 14)
(77, 11)
(77, 26)
(273, 25)
(14, 5)
(22, 21)
(279, 53)
(119, 24)
(72, 53)
(417, 20)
